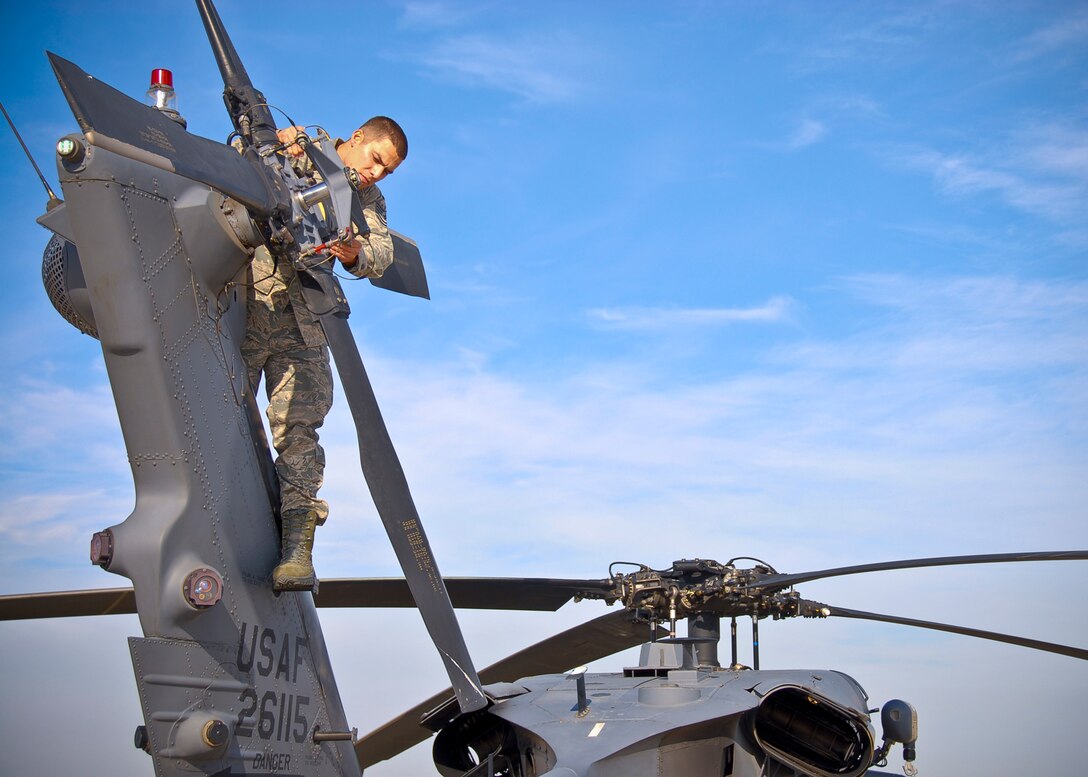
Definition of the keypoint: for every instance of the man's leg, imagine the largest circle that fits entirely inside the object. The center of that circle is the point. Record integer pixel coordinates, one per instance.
(299, 384)
(256, 345)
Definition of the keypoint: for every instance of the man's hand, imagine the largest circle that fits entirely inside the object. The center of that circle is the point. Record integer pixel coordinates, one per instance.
(288, 135)
(347, 253)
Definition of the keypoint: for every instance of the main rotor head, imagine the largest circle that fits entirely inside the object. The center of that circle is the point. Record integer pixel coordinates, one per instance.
(698, 587)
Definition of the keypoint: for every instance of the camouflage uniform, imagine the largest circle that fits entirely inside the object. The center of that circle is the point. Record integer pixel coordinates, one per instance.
(284, 340)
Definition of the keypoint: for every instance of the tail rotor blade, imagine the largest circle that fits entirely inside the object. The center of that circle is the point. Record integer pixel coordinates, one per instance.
(393, 499)
(247, 107)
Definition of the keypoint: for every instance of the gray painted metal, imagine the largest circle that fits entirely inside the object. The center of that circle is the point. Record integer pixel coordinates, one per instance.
(484, 593)
(1034, 644)
(62, 276)
(56, 220)
(239, 681)
(406, 275)
(389, 488)
(157, 252)
(112, 120)
(682, 723)
(777, 582)
(587, 642)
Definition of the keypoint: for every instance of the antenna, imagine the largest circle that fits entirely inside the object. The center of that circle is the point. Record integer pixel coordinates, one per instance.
(54, 200)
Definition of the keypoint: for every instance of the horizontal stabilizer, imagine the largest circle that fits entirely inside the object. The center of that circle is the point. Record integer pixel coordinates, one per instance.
(116, 122)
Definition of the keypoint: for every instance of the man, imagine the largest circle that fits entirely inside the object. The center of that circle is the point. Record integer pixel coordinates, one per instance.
(285, 342)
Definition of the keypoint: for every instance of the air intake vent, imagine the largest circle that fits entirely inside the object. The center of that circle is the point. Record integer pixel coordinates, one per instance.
(812, 734)
(62, 276)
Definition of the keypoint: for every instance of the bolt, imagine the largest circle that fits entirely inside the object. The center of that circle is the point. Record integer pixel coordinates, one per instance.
(141, 740)
(335, 736)
(102, 548)
(215, 733)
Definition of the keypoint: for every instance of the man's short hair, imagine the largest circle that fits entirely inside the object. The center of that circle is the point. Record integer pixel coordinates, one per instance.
(382, 127)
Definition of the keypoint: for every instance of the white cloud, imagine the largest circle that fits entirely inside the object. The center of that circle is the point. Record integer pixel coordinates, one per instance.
(1038, 171)
(1069, 32)
(537, 69)
(958, 406)
(435, 13)
(810, 131)
(937, 402)
(45, 519)
(1057, 149)
(775, 310)
(851, 106)
(889, 37)
(48, 410)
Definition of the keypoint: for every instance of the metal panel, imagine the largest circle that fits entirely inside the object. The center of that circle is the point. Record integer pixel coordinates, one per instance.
(156, 253)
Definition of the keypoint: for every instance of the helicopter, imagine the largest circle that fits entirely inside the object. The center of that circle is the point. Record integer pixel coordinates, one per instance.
(681, 667)
(678, 711)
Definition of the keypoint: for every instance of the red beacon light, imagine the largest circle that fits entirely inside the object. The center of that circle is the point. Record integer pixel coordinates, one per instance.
(162, 77)
(161, 95)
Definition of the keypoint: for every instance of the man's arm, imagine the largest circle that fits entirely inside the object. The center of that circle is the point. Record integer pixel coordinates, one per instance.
(368, 256)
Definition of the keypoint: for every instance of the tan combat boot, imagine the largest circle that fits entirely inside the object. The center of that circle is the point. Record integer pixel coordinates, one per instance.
(296, 569)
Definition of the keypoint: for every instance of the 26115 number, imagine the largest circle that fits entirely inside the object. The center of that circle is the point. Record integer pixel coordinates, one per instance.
(279, 716)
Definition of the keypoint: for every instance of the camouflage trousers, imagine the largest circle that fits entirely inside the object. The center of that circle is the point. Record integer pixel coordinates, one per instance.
(298, 383)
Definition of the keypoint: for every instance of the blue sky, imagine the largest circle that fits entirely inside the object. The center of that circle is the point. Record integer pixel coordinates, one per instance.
(803, 281)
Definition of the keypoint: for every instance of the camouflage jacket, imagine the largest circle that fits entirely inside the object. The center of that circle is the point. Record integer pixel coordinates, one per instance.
(275, 285)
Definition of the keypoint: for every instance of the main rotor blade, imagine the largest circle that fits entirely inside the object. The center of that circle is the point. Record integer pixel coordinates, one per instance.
(598, 638)
(1049, 647)
(784, 581)
(595, 639)
(67, 604)
(393, 499)
(540, 594)
(480, 593)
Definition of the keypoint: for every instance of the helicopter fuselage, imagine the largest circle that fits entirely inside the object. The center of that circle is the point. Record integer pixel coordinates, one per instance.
(666, 716)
